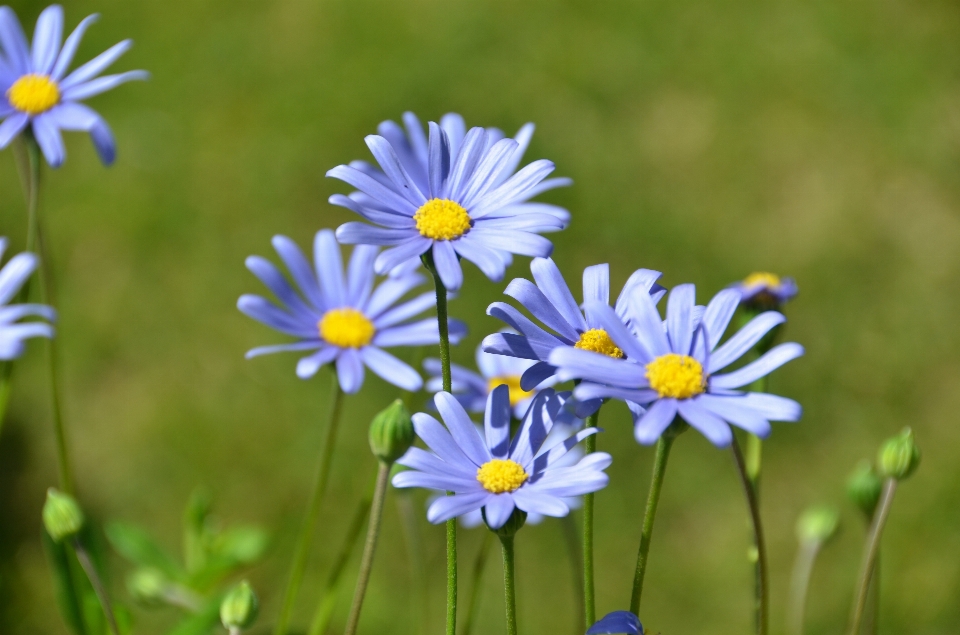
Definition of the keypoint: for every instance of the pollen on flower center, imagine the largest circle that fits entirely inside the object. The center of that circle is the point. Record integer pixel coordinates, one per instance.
(762, 279)
(501, 475)
(677, 376)
(33, 94)
(512, 382)
(346, 328)
(442, 219)
(597, 341)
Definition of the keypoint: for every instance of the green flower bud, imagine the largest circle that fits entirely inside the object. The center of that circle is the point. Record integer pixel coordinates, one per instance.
(864, 487)
(240, 607)
(899, 456)
(817, 524)
(391, 433)
(61, 515)
(148, 586)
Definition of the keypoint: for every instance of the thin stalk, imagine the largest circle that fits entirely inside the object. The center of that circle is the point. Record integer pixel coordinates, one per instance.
(754, 462)
(589, 589)
(6, 384)
(509, 587)
(409, 519)
(370, 547)
(569, 528)
(800, 584)
(328, 599)
(872, 615)
(305, 538)
(97, 584)
(478, 566)
(444, 327)
(653, 499)
(762, 598)
(870, 551)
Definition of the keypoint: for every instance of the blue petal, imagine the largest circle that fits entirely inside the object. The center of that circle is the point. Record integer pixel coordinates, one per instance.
(596, 284)
(480, 254)
(536, 375)
(308, 366)
(300, 270)
(497, 510)
(402, 253)
(13, 41)
(651, 425)
(438, 163)
(439, 440)
(773, 359)
(405, 311)
(534, 502)
(617, 622)
(745, 339)
(264, 311)
(496, 422)
(774, 407)
(49, 139)
(102, 85)
(284, 348)
(461, 428)
(608, 320)
(391, 369)
(706, 422)
(350, 370)
(680, 318)
(540, 341)
(329, 268)
(550, 281)
(388, 292)
(70, 47)
(390, 163)
(574, 363)
(373, 188)
(544, 309)
(514, 241)
(96, 66)
(14, 274)
(12, 126)
(389, 219)
(424, 461)
(508, 344)
(447, 507)
(419, 333)
(488, 172)
(718, 314)
(647, 326)
(46, 39)
(274, 280)
(736, 410)
(464, 164)
(516, 188)
(447, 264)
(356, 233)
(360, 275)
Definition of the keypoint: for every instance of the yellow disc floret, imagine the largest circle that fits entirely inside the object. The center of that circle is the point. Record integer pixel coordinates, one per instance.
(597, 341)
(762, 279)
(442, 219)
(512, 382)
(677, 376)
(346, 328)
(501, 475)
(34, 94)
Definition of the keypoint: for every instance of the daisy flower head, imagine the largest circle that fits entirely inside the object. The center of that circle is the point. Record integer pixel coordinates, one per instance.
(447, 195)
(39, 92)
(344, 317)
(549, 300)
(762, 290)
(489, 471)
(12, 332)
(670, 368)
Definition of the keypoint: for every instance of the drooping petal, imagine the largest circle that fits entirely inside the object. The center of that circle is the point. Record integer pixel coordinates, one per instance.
(14, 274)
(517, 241)
(480, 254)
(390, 258)
(535, 502)
(773, 407)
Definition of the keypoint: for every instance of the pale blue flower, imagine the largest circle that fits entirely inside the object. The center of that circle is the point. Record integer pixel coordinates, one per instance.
(37, 90)
(763, 290)
(14, 333)
(617, 622)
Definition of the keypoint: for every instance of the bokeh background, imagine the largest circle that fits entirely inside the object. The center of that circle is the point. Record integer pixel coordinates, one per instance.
(811, 138)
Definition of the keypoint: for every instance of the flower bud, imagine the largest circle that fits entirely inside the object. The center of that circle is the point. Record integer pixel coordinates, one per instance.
(817, 524)
(61, 515)
(148, 586)
(864, 487)
(899, 456)
(391, 433)
(240, 607)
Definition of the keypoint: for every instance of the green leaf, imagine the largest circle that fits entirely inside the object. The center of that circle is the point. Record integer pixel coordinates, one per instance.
(242, 545)
(201, 623)
(134, 544)
(68, 599)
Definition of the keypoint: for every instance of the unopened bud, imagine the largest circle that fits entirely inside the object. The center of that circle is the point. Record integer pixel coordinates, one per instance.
(899, 456)
(864, 487)
(148, 586)
(817, 524)
(240, 607)
(61, 515)
(391, 433)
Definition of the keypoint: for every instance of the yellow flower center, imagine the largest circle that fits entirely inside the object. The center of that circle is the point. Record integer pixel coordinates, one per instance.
(677, 376)
(598, 341)
(501, 475)
(346, 328)
(762, 279)
(517, 394)
(442, 219)
(34, 94)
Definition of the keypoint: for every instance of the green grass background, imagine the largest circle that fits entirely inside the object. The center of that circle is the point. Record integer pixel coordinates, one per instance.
(817, 139)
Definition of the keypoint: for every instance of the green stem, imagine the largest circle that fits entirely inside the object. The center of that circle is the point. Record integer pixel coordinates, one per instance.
(313, 511)
(478, 566)
(409, 519)
(328, 599)
(369, 548)
(589, 589)
(800, 584)
(569, 528)
(872, 615)
(509, 588)
(442, 322)
(6, 385)
(762, 591)
(870, 551)
(97, 584)
(653, 499)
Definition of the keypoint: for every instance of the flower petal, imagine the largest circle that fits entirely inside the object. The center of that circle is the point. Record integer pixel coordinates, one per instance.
(545, 309)
(308, 366)
(70, 47)
(329, 268)
(680, 318)
(46, 39)
(651, 425)
(461, 428)
(596, 284)
(718, 314)
(102, 84)
(350, 370)
(498, 509)
(447, 264)
(773, 359)
(391, 369)
(496, 422)
(745, 339)
(447, 507)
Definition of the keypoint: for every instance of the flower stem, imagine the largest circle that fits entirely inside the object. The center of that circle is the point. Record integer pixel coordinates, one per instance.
(313, 510)
(653, 499)
(97, 584)
(870, 551)
(328, 599)
(589, 589)
(800, 584)
(369, 548)
(478, 566)
(762, 598)
(509, 588)
(569, 528)
(442, 323)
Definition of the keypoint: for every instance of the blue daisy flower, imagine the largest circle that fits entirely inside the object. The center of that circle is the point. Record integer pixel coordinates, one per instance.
(450, 193)
(492, 472)
(669, 369)
(12, 332)
(617, 622)
(38, 91)
(764, 290)
(343, 318)
(551, 302)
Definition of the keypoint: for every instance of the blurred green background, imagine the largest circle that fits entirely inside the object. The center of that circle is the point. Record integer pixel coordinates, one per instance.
(811, 138)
